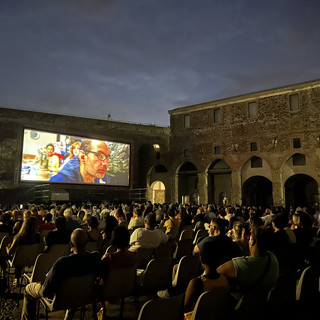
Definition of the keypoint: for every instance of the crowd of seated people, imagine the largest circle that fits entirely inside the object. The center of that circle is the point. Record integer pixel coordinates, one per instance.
(233, 232)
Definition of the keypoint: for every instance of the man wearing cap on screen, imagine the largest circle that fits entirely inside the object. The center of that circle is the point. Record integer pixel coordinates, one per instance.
(89, 167)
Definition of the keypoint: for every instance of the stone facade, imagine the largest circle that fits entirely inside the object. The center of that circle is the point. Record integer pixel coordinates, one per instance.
(261, 148)
(278, 129)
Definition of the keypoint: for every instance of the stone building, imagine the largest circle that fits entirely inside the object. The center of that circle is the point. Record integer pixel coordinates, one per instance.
(144, 140)
(260, 148)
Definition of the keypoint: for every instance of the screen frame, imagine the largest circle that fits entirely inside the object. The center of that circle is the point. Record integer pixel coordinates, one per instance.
(99, 137)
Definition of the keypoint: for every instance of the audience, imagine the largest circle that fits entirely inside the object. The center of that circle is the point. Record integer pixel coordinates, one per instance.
(245, 248)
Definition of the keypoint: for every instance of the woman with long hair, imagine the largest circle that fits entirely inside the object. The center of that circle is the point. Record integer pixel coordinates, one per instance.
(28, 234)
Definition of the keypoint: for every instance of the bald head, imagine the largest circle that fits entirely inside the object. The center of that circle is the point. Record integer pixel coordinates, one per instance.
(79, 239)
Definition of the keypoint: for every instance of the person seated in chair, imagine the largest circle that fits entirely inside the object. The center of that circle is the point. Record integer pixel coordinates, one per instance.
(210, 280)
(260, 270)
(218, 236)
(121, 258)
(147, 237)
(78, 263)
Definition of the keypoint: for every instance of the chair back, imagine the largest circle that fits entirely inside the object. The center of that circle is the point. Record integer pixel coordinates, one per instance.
(43, 235)
(165, 249)
(157, 276)
(201, 233)
(143, 256)
(253, 303)
(184, 248)
(186, 234)
(2, 235)
(211, 305)
(308, 288)
(72, 293)
(26, 255)
(119, 283)
(93, 246)
(111, 249)
(42, 265)
(168, 309)
(60, 250)
(284, 292)
(188, 268)
(198, 226)
(6, 240)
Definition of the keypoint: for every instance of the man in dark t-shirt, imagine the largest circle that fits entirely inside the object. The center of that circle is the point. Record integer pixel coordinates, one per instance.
(227, 248)
(76, 264)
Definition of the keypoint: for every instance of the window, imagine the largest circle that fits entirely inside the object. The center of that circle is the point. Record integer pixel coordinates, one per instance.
(217, 150)
(299, 159)
(186, 120)
(294, 102)
(256, 162)
(296, 143)
(216, 115)
(253, 146)
(160, 168)
(252, 109)
(186, 153)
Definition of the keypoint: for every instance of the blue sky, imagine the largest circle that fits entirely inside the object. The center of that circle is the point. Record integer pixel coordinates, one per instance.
(136, 59)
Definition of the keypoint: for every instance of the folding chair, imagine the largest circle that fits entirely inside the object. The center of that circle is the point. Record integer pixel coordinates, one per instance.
(73, 293)
(160, 309)
(211, 305)
(119, 284)
(157, 276)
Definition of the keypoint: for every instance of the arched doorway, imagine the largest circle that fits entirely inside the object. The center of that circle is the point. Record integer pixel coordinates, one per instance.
(158, 192)
(219, 182)
(257, 191)
(301, 190)
(188, 183)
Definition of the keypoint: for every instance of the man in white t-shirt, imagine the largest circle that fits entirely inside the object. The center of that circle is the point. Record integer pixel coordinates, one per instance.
(147, 237)
(137, 220)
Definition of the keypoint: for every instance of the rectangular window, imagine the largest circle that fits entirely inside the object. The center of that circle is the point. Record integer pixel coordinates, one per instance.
(253, 146)
(216, 115)
(299, 159)
(186, 120)
(296, 143)
(256, 162)
(217, 150)
(294, 102)
(186, 153)
(252, 109)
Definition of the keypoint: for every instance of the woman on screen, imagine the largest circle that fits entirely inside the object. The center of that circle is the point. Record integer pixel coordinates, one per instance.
(74, 152)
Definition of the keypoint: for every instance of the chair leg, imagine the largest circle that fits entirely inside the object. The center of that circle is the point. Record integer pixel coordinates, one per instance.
(121, 308)
(38, 310)
(94, 311)
(136, 302)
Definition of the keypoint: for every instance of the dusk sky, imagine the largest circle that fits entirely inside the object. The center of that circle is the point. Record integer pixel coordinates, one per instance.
(137, 59)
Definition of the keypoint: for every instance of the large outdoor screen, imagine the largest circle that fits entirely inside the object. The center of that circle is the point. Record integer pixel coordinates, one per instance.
(60, 158)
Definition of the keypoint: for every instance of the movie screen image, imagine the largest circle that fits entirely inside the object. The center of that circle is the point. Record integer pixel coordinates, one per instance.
(59, 158)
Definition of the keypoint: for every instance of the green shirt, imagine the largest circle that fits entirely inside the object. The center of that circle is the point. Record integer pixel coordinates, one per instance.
(252, 272)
